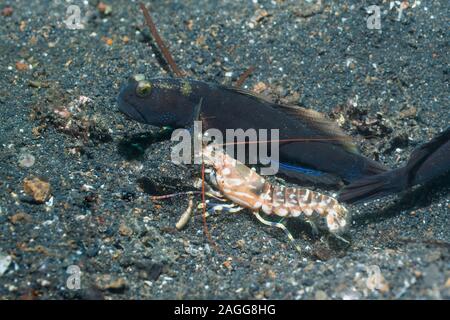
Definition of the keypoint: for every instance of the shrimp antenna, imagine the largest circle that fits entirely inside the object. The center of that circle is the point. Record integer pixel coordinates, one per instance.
(167, 196)
(160, 42)
(166, 53)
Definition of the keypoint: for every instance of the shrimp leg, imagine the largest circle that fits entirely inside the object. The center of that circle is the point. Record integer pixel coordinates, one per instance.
(278, 225)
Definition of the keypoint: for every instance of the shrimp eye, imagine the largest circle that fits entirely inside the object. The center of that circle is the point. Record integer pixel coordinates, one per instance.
(143, 88)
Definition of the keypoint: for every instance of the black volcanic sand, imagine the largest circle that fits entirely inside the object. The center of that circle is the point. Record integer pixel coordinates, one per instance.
(387, 88)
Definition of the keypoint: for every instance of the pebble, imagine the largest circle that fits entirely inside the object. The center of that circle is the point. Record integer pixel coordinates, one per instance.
(104, 9)
(43, 282)
(447, 283)
(375, 279)
(110, 283)
(258, 16)
(37, 188)
(20, 217)
(351, 294)
(125, 231)
(321, 295)
(21, 66)
(26, 160)
(7, 11)
(259, 87)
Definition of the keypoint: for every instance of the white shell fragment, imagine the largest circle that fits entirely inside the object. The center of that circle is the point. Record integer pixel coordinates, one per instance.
(5, 261)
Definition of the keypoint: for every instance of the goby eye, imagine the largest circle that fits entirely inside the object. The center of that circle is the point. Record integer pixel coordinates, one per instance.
(143, 88)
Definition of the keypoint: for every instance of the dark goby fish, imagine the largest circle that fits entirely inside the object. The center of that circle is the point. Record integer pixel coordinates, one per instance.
(321, 154)
(426, 163)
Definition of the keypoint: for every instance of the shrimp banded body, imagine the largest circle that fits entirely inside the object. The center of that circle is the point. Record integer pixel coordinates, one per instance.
(246, 188)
